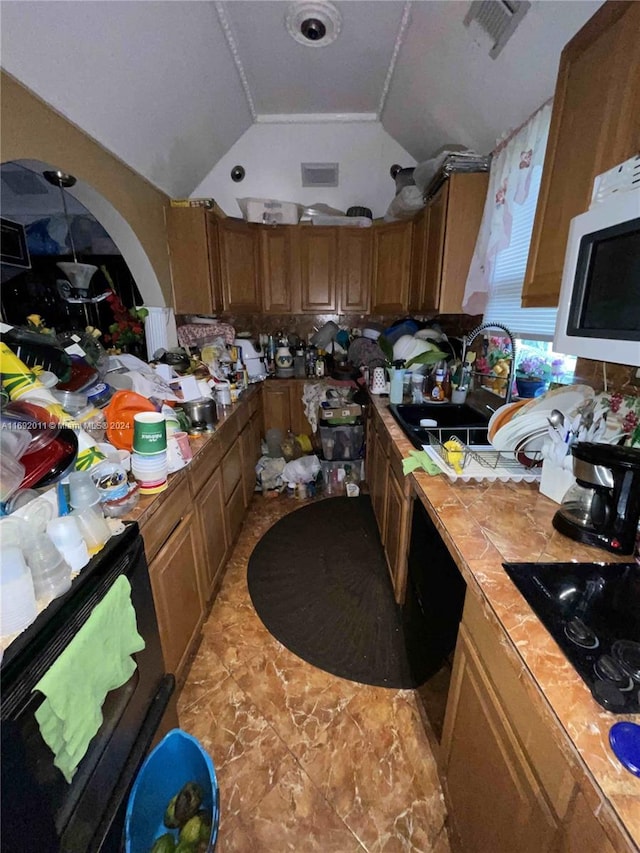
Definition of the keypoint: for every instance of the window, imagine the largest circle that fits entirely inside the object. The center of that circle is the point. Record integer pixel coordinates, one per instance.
(504, 300)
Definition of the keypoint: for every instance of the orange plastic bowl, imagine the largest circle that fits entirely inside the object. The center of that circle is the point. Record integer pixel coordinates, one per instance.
(119, 413)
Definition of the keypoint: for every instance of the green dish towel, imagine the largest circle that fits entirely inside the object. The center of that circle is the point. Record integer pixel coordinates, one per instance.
(420, 459)
(97, 660)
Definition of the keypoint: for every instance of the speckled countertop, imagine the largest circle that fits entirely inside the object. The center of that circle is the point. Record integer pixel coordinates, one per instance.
(484, 524)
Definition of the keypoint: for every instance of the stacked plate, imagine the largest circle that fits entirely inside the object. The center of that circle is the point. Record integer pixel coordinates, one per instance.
(521, 427)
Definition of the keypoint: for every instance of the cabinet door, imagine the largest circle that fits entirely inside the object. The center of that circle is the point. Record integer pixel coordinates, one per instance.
(210, 503)
(418, 247)
(277, 266)
(467, 195)
(239, 260)
(174, 581)
(495, 801)
(391, 265)
(297, 416)
(595, 125)
(434, 248)
(189, 259)
(248, 463)
(318, 256)
(394, 515)
(378, 486)
(213, 245)
(277, 413)
(582, 832)
(354, 269)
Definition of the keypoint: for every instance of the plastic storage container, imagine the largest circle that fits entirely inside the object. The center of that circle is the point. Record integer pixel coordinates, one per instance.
(342, 442)
(176, 760)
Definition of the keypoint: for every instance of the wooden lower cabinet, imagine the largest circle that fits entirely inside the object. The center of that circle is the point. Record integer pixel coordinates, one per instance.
(391, 502)
(215, 546)
(176, 593)
(507, 783)
(495, 802)
(283, 406)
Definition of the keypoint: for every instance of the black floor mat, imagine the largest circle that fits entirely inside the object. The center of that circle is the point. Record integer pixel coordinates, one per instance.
(319, 582)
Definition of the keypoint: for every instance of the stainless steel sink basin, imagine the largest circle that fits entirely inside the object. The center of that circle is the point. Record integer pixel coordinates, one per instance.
(452, 419)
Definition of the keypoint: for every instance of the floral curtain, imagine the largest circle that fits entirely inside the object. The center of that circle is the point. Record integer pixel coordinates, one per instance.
(509, 183)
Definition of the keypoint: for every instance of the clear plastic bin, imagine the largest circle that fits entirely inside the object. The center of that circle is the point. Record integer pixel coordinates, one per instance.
(342, 442)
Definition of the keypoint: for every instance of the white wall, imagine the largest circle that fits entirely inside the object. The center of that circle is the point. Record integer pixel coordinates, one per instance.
(272, 153)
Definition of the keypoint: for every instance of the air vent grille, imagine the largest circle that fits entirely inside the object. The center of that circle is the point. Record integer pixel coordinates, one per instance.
(498, 18)
(319, 174)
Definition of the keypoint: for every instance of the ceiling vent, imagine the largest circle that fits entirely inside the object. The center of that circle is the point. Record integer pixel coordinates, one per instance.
(313, 24)
(319, 174)
(497, 18)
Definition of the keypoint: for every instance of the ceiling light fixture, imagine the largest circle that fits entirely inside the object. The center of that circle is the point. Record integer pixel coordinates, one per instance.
(78, 274)
(313, 24)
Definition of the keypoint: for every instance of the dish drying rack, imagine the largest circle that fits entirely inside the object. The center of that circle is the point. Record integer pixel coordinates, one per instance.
(480, 462)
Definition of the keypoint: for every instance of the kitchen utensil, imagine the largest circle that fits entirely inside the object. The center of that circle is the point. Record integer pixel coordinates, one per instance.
(202, 414)
(556, 418)
(378, 382)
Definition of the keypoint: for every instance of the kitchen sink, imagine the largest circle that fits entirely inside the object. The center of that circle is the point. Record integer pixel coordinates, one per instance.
(452, 419)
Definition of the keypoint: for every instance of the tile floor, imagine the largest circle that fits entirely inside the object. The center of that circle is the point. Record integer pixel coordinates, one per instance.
(306, 761)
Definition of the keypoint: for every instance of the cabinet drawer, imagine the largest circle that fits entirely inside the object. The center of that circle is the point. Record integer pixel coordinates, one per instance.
(175, 503)
(205, 464)
(231, 469)
(545, 756)
(235, 512)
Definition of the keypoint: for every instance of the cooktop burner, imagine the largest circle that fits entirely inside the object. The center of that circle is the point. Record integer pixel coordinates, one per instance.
(592, 611)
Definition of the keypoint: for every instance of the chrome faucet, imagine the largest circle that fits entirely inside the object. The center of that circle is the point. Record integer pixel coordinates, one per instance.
(467, 340)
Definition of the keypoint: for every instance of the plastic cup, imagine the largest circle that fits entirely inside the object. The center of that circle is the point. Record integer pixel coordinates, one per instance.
(93, 528)
(65, 535)
(184, 444)
(82, 490)
(149, 432)
(18, 606)
(50, 573)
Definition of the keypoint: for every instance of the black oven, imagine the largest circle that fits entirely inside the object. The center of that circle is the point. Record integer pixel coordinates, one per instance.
(40, 810)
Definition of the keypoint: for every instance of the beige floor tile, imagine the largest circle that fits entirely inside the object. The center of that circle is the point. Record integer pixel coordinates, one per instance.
(306, 761)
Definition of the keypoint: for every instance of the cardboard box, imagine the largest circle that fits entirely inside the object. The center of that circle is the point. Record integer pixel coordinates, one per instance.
(335, 415)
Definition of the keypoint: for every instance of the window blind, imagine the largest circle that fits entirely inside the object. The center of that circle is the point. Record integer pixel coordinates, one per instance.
(506, 287)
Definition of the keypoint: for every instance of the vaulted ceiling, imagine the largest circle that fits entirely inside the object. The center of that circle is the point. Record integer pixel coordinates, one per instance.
(170, 86)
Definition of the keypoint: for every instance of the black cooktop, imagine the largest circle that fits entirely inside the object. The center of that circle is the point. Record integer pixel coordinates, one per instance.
(592, 610)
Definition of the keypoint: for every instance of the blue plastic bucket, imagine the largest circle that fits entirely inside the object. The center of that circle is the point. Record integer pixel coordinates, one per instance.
(177, 759)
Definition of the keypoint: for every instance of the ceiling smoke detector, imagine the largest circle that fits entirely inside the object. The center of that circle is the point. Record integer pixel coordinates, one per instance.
(313, 24)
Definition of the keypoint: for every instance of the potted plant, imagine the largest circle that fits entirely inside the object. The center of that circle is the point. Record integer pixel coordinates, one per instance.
(533, 374)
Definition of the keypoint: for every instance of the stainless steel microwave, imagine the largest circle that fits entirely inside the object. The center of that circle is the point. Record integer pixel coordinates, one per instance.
(599, 309)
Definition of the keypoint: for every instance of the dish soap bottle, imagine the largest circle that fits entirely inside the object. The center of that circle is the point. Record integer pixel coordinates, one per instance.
(441, 389)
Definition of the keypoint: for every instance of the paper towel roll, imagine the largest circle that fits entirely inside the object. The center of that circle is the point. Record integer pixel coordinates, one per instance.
(156, 328)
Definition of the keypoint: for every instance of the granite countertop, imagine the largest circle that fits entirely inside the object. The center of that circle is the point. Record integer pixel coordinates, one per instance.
(484, 524)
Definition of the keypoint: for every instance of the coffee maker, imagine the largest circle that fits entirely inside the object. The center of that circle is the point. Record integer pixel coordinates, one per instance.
(603, 507)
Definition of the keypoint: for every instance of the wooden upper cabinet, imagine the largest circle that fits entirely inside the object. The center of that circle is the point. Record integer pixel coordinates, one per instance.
(418, 243)
(278, 256)
(193, 256)
(239, 265)
(444, 237)
(354, 269)
(318, 260)
(391, 267)
(434, 247)
(595, 124)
